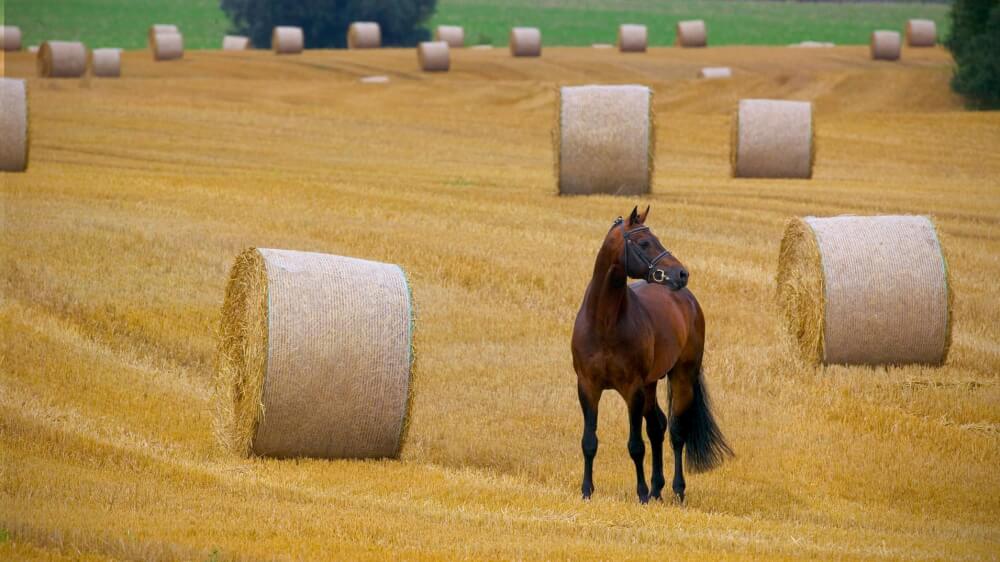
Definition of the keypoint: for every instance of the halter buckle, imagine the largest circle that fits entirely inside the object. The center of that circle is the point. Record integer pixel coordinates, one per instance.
(659, 276)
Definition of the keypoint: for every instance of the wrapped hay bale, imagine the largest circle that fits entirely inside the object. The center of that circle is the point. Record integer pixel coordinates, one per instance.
(287, 40)
(314, 358)
(453, 35)
(604, 140)
(13, 125)
(692, 33)
(11, 38)
(235, 43)
(168, 46)
(866, 290)
(885, 45)
(632, 38)
(433, 56)
(159, 28)
(525, 42)
(62, 59)
(921, 33)
(364, 35)
(772, 139)
(106, 63)
(715, 72)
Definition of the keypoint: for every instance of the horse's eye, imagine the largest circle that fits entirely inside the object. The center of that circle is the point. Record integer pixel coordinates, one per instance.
(644, 244)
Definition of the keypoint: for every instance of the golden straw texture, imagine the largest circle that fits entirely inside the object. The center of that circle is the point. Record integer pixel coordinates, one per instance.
(364, 35)
(106, 63)
(691, 33)
(715, 72)
(10, 39)
(604, 139)
(632, 38)
(525, 42)
(62, 59)
(453, 35)
(168, 46)
(287, 40)
(235, 43)
(433, 56)
(800, 289)
(13, 125)
(772, 139)
(885, 45)
(921, 33)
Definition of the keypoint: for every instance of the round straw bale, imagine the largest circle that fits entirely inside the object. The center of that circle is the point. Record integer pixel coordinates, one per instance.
(287, 40)
(715, 72)
(453, 35)
(865, 290)
(692, 33)
(168, 46)
(106, 63)
(235, 43)
(364, 35)
(13, 125)
(885, 45)
(315, 356)
(632, 38)
(604, 140)
(525, 42)
(433, 56)
(62, 59)
(159, 28)
(11, 38)
(921, 33)
(772, 139)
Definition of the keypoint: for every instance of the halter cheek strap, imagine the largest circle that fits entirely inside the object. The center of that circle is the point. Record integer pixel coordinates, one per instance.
(653, 274)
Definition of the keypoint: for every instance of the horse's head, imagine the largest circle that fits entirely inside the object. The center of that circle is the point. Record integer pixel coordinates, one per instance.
(643, 256)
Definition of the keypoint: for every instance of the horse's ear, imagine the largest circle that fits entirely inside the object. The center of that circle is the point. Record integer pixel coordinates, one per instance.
(642, 217)
(633, 218)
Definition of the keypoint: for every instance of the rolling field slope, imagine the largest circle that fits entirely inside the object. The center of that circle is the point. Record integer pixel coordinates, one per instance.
(117, 242)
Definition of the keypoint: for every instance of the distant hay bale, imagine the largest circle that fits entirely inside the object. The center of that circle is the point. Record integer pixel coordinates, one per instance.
(813, 44)
(11, 38)
(364, 35)
(106, 63)
(235, 43)
(287, 40)
(525, 42)
(168, 46)
(604, 140)
(921, 33)
(13, 125)
(632, 38)
(453, 35)
(865, 290)
(315, 356)
(885, 45)
(772, 139)
(62, 59)
(433, 56)
(380, 79)
(715, 72)
(691, 33)
(159, 28)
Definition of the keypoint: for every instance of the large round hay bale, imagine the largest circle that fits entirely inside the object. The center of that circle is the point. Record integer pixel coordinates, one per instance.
(921, 33)
(159, 28)
(453, 35)
(632, 38)
(62, 59)
(866, 290)
(287, 40)
(13, 125)
(715, 72)
(364, 35)
(525, 42)
(11, 38)
(315, 356)
(433, 56)
(168, 46)
(604, 140)
(772, 139)
(106, 63)
(885, 45)
(691, 33)
(235, 43)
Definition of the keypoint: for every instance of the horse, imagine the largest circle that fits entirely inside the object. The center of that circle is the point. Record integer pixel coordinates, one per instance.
(629, 336)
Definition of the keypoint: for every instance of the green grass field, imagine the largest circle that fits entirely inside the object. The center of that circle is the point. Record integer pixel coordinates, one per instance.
(122, 23)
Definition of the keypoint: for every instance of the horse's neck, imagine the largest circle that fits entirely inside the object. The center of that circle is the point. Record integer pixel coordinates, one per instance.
(607, 294)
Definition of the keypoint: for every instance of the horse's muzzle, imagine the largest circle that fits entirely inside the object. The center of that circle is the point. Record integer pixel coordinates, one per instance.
(675, 278)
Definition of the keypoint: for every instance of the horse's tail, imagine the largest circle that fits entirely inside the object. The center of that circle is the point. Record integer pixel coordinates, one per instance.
(705, 444)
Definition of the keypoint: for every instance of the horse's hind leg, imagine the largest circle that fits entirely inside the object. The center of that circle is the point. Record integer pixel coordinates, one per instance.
(656, 427)
(681, 393)
(636, 448)
(589, 400)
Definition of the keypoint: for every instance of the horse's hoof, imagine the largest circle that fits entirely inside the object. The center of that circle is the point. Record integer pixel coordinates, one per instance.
(679, 498)
(657, 496)
(643, 499)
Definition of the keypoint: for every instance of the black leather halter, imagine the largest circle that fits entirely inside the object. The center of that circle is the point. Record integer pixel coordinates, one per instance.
(653, 274)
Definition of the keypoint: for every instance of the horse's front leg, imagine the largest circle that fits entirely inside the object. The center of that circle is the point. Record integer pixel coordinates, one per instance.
(589, 400)
(656, 428)
(636, 448)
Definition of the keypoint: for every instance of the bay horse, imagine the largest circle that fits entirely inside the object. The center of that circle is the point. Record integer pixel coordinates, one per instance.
(628, 337)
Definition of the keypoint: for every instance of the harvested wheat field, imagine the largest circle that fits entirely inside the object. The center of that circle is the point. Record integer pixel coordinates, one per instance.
(140, 193)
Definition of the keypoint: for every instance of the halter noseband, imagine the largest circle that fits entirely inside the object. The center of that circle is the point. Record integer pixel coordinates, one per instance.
(653, 274)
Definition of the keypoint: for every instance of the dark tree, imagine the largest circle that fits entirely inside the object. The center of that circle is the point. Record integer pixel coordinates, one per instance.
(975, 44)
(325, 22)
